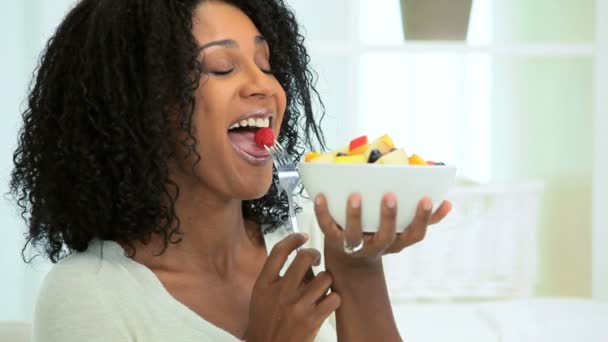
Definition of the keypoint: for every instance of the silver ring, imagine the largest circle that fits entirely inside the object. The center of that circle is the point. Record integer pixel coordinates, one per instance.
(350, 250)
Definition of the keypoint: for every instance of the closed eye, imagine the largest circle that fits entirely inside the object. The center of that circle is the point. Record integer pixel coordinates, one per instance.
(221, 72)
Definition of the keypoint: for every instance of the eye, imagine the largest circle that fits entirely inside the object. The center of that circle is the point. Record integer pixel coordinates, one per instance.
(267, 71)
(265, 67)
(220, 72)
(264, 64)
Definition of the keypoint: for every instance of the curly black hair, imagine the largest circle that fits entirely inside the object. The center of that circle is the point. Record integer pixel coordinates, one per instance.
(100, 125)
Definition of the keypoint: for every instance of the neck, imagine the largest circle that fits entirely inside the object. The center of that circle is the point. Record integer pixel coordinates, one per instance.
(215, 240)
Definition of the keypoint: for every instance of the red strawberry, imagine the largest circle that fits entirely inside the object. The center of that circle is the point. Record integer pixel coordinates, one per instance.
(264, 137)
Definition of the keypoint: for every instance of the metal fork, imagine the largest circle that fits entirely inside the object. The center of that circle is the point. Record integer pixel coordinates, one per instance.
(288, 179)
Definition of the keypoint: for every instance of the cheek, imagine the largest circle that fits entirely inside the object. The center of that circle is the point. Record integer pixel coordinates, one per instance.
(281, 104)
(282, 99)
(208, 117)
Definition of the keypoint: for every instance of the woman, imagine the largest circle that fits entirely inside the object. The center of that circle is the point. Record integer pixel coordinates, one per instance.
(153, 208)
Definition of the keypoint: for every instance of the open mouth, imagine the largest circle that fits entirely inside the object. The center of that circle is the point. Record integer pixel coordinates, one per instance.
(241, 135)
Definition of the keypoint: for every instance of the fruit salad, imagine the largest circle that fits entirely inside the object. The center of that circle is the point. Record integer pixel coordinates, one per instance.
(360, 151)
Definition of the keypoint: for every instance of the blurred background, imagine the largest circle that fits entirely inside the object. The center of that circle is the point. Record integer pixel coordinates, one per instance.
(518, 104)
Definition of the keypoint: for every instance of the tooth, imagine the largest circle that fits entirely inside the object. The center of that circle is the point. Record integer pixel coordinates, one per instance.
(259, 122)
(236, 125)
(251, 122)
(244, 123)
(267, 122)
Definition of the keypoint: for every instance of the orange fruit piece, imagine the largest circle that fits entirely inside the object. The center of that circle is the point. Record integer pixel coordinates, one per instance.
(415, 159)
(310, 156)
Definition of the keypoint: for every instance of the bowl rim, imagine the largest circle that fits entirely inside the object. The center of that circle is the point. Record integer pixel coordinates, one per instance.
(383, 166)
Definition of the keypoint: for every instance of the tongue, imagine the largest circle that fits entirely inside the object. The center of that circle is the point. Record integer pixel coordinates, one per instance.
(243, 140)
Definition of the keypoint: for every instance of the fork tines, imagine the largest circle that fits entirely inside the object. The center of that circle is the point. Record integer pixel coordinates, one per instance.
(278, 154)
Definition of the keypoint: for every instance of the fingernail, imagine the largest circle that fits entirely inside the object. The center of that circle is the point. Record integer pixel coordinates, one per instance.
(305, 235)
(355, 203)
(318, 200)
(391, 203)
(428, 205)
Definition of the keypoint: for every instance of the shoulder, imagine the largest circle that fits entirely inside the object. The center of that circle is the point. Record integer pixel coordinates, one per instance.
(73, 303)
(69, 285)
(84, 272)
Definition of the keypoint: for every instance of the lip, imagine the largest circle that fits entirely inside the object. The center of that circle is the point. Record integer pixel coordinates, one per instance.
(257, 161)
(262, 113)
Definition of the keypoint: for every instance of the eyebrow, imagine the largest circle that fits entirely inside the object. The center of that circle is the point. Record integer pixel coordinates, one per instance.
(231, 43)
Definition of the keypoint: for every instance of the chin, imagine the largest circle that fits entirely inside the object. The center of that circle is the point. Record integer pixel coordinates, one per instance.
(259, 190)
(256, 195)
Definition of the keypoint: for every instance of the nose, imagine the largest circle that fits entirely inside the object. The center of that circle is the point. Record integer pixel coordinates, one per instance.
(258, 83)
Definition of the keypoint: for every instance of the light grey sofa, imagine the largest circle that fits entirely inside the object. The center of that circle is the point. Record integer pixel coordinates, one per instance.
(12, 331)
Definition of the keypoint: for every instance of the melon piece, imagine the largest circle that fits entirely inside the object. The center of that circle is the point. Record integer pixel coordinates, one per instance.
(396, 157)
(384, 144)
(354, 159)
(416, 160)
(358, 145)
(328, 157)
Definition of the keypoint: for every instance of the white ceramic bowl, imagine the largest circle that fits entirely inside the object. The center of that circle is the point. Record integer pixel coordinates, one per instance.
(410, 183)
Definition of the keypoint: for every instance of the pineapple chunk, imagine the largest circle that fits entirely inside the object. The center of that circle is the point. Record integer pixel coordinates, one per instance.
(354, 159)
(397, 157)
(328, 157)
(384, 144)
(343, 150)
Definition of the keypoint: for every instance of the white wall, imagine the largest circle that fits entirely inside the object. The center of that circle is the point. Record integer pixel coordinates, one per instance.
(600, 153)
(543, 126)
(26, 24)
(12, 69)
(24, 28)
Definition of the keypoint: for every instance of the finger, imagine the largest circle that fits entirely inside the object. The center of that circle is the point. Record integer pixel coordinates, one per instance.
(327, 306)
(441, 212)
(326, 222)
(417, 229)
(278, 255)
(310, 275)
(353, 233)
(317, 288)
(386, 234)
(305, 258)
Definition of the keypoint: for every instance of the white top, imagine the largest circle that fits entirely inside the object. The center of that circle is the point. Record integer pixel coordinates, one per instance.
(102, 295)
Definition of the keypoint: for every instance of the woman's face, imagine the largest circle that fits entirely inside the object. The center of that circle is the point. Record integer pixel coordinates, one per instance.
(237, 90)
